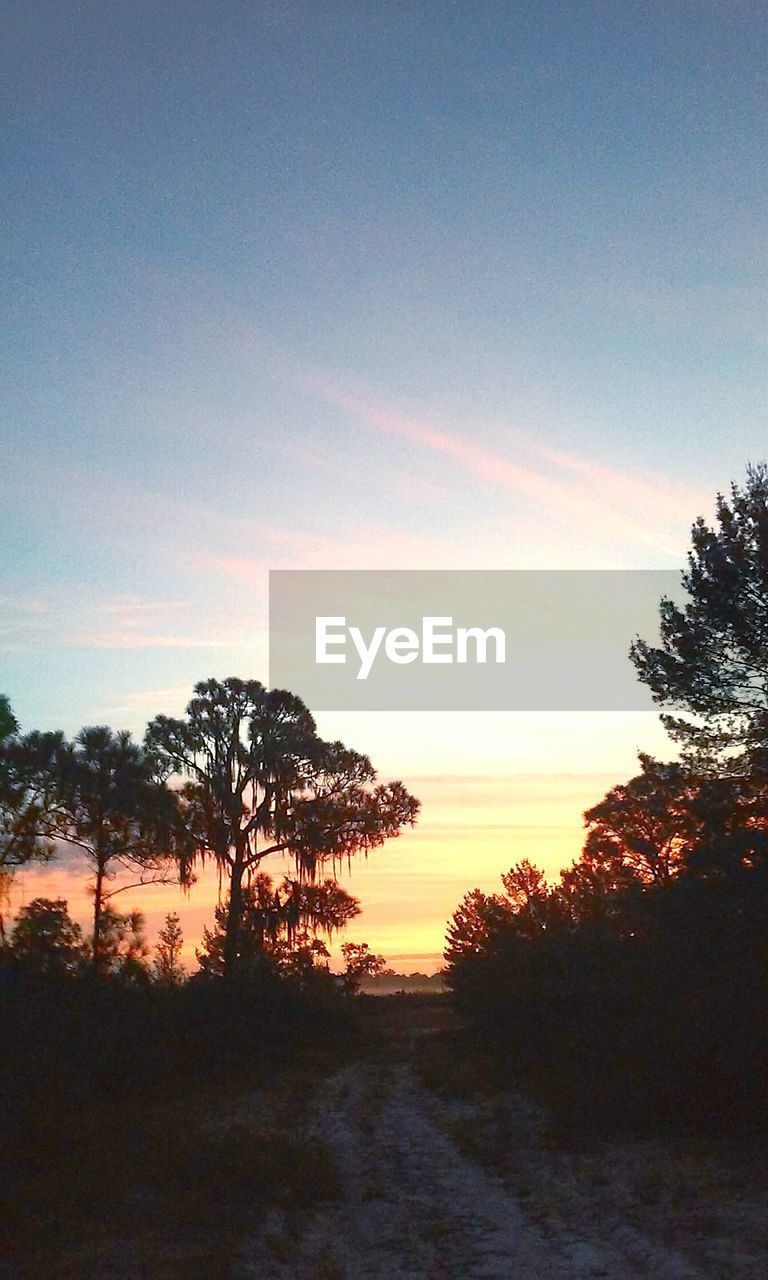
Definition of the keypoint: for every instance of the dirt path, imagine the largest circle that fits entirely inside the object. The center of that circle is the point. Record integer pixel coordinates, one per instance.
(412, 1206)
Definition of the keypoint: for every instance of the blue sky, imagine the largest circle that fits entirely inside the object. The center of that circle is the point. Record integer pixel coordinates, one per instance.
(362, 285)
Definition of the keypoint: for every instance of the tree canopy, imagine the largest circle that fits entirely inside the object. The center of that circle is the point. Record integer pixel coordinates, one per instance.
(257, 780)
(25, 791)
(45, 939)
(711, 667)
(98, 794)
(281, 928)
(8, 722)
(167, 966)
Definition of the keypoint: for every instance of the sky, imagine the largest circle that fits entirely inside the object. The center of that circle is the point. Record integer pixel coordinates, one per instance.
(352, 285)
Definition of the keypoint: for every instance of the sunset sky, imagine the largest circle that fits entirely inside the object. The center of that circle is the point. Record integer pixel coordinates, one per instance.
(359, 285)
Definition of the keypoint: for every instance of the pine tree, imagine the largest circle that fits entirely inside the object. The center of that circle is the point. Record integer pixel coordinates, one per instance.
(712, 663)
(170, 941)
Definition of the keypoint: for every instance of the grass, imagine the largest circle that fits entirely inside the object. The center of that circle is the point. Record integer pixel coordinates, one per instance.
(564, 1157)
(168, 1188)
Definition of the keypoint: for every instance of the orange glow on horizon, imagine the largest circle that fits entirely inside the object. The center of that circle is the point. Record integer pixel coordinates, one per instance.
(471, 831)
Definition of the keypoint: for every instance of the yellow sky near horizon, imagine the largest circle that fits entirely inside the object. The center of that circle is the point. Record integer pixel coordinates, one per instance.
(473, 824)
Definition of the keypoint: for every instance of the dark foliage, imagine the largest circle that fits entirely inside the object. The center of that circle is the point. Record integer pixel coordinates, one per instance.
(637, 987)
(120, 1105)
(712, 661)
(258, 780)
(45, 940)
(280, 930)
(97, 794)
(77, 1047)
(636, 998)
(23, 797)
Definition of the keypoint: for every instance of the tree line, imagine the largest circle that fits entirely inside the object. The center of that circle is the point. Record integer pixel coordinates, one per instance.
(636, 985)
(242, 777)
(94, 1023)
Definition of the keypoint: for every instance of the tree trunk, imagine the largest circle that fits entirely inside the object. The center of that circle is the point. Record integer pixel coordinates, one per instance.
(98, 903)
(234, 918)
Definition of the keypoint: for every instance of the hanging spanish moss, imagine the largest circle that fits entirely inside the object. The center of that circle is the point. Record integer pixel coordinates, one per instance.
(255, 780)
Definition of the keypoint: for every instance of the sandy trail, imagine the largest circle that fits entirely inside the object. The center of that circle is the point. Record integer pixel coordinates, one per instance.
(412, 1206)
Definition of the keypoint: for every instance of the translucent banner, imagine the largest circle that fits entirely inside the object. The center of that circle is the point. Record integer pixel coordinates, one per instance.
(516, 640)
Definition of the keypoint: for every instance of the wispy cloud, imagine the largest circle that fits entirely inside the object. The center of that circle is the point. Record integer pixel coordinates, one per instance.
(660, 498)
(368, 546)
(130, 640)
(113, 623)
(149, 701)
(134, 610)
(405, 483)
(642, 511)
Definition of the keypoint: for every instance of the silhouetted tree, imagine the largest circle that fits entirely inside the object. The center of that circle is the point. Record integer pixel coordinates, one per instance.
(6, 878)
(25, 792)
(46, 940)
(259, 781)
(646, 824)
(170, 941)
(8, 722)
(478, 918)
(659, 970)
(730, 820)
(668, 821)
(100, 795)
(640, 977)
(596, 890)
(359, 963)
(123, 946)
(712, 662)
(528, 896)
(279, 927)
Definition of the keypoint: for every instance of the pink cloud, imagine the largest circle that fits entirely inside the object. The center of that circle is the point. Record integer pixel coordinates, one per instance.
(603, 500)
(656, 494)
